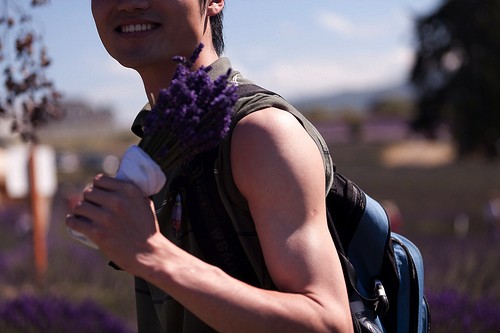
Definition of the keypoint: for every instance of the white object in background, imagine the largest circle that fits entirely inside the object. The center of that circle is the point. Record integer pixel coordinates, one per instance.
(16, 171)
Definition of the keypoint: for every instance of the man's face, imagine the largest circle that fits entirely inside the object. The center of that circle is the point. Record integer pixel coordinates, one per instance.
(145, 33)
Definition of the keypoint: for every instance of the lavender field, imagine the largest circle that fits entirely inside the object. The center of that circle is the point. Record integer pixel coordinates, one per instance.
(462, 259)
(443, 212)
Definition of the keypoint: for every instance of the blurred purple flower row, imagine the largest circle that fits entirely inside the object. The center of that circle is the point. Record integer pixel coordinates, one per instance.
(30, 314)
(454, 312)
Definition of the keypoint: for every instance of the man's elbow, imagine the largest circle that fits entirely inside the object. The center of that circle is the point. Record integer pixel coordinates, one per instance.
(339, 320)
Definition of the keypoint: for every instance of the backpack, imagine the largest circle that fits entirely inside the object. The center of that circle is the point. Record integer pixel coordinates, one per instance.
(383, 271)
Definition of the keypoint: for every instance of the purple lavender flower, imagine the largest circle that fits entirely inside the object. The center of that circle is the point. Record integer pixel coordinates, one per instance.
(452, 311)
(191, 116)
(47, 313)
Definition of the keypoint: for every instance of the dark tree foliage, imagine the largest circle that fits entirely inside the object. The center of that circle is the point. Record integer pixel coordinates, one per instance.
(27, 98)
(457, 74)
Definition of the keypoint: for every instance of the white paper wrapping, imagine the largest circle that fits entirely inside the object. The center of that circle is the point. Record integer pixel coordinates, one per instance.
(137, 167)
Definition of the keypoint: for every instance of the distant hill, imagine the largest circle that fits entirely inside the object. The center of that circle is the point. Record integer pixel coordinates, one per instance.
(359, 100)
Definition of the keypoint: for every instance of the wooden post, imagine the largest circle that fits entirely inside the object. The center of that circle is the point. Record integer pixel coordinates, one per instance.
(39, 222)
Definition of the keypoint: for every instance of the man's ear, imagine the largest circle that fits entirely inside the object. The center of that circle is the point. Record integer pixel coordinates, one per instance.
(215, 7)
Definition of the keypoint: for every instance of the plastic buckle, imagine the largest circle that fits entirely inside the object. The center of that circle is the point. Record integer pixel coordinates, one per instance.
(382, 302)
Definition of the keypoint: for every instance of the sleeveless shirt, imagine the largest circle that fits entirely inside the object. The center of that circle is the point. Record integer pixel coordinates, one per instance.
(156, 310)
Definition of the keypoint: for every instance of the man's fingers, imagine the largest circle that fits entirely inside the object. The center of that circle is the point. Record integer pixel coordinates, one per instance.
(111, 184)
(80, 224)
(83, 209)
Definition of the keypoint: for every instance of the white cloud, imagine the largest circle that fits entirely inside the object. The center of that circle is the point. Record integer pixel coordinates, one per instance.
(391, 23)
(336, 23)
(300, 77)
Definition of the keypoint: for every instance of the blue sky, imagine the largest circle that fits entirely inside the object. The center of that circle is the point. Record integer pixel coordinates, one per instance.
(298, 48)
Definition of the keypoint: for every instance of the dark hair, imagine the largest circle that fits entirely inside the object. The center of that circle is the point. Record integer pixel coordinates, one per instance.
(216, 26)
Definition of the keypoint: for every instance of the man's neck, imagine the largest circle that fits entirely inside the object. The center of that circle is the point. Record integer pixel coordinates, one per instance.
(155, 79)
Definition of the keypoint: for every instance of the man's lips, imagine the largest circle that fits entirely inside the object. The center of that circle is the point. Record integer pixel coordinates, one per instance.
(136, 27)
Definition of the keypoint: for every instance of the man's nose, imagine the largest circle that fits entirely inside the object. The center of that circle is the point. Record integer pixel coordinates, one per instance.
(131, 5)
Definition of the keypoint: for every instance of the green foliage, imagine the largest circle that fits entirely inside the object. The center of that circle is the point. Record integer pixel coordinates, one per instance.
(457, 74)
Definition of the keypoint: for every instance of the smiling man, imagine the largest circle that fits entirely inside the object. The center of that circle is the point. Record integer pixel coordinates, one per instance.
(276, 168)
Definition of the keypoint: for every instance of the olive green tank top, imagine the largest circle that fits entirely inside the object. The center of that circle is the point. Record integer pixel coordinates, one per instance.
(156, 310)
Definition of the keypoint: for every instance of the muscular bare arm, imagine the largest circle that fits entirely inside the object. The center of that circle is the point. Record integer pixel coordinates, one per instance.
(278, 168)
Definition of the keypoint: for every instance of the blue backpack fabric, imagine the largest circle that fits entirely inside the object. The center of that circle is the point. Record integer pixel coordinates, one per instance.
(383, 271)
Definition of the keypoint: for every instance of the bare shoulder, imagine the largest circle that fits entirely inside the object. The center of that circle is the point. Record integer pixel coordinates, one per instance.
(271, 146)
(278, 169)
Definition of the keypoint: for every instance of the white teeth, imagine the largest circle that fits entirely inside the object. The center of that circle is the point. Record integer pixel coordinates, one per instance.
(136, 27)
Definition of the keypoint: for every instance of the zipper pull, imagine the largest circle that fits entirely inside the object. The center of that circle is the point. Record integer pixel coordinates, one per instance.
(382, 303)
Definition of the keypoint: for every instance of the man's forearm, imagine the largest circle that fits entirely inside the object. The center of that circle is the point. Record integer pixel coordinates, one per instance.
(229, 305)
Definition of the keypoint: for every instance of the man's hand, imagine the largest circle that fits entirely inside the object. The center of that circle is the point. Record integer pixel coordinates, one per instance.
(118, 218)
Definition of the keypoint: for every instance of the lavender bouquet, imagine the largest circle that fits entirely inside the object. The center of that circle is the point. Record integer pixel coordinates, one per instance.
(189, 117)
